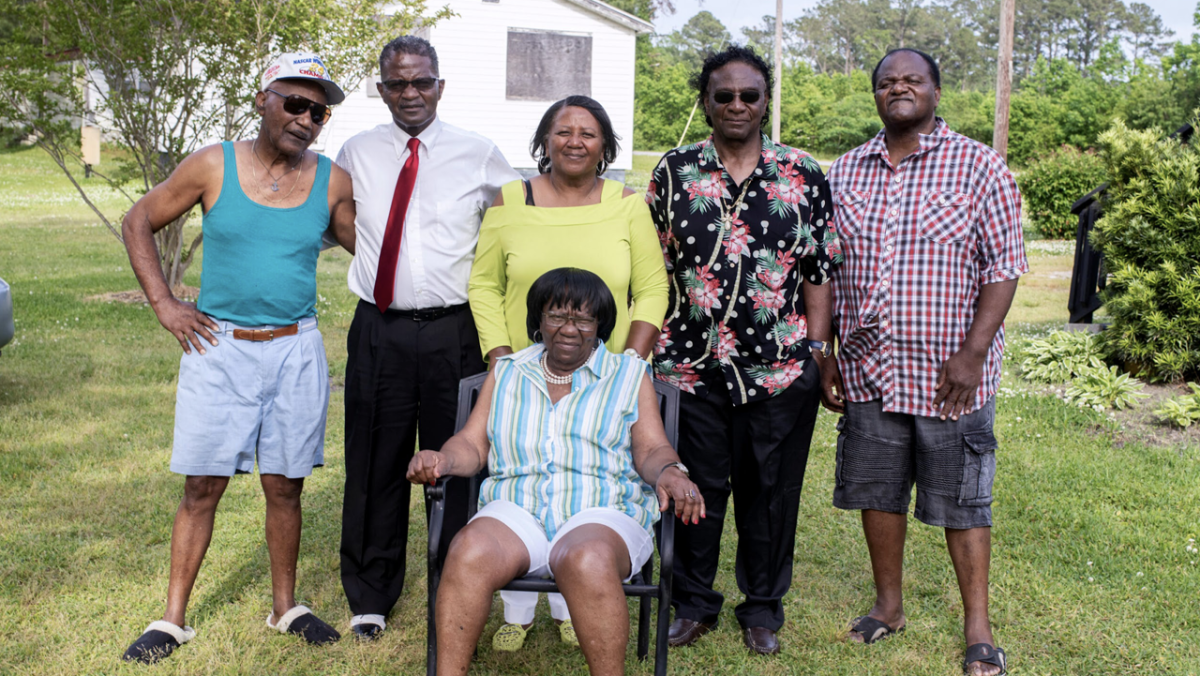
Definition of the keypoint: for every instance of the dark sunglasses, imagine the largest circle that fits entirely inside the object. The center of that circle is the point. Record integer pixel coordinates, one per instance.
(748, 96)
(298, 105)
(423, 84)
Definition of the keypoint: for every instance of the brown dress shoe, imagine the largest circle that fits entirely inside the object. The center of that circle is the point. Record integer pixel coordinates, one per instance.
(761, 640)
(686, 632)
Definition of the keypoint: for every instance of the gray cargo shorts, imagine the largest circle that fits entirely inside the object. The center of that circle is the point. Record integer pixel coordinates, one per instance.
(881, 455)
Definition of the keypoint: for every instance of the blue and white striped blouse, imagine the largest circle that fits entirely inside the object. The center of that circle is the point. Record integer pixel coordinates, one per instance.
(555, 460)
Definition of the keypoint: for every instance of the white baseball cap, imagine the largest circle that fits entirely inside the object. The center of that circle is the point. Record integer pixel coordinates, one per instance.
(303, 66)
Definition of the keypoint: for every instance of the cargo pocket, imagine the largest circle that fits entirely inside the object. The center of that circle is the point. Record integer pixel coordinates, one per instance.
(841, 446)
(979, 469)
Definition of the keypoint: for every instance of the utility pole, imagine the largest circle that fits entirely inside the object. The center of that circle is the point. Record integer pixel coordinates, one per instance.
(1004, 77)
(776, 93)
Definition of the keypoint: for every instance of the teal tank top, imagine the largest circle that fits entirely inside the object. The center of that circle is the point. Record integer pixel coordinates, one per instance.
(260, 262)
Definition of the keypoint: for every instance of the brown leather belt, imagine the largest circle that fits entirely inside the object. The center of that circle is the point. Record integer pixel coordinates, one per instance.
(261, 335)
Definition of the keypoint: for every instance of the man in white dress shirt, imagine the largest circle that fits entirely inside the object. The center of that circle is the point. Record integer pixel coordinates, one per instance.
(420, 187)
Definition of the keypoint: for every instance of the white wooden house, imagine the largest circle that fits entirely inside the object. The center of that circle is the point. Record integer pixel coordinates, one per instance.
(506, 61)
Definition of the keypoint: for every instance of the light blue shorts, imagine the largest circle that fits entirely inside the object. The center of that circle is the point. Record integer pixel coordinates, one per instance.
(247, 399)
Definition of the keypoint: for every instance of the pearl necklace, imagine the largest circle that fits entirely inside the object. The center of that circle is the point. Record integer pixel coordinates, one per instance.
(560, 380)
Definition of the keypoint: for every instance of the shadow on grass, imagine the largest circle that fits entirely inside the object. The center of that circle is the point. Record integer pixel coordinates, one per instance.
(20, 385)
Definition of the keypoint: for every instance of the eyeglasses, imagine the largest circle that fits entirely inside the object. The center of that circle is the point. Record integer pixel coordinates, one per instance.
(423, 84)
(554, 321)
(298, 105)
(748, 96)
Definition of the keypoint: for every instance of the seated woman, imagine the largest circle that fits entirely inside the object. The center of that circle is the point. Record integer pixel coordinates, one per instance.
(567, 216)
(572, 439)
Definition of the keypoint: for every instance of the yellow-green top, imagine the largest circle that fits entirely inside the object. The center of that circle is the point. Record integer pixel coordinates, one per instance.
(519, 243)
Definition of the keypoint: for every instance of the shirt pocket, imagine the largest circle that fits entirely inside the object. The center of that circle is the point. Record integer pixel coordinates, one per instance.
(946, 216)
(850, 216)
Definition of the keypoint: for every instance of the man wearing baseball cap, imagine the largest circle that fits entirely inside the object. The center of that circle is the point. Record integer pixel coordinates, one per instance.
(253, 379)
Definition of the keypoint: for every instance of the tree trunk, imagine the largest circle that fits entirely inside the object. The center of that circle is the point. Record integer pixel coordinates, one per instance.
(174, 260)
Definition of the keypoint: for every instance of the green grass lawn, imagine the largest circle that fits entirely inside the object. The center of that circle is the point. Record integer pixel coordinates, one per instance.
(1092, 571)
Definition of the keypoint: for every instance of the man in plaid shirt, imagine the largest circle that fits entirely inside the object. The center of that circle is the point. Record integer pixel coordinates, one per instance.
(930, 223)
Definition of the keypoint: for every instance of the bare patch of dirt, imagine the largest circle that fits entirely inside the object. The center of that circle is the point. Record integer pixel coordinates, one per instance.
(1141, 425)
(137, 297)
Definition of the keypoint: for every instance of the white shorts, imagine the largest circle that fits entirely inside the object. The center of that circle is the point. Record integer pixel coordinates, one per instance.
(639, 541)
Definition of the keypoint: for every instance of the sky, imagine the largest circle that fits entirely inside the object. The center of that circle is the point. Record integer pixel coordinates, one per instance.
(735, 14)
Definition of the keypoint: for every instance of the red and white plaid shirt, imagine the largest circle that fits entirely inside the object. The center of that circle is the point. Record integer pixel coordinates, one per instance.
(920, 240)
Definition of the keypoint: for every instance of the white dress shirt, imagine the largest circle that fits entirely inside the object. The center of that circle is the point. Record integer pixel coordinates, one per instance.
(459, 175)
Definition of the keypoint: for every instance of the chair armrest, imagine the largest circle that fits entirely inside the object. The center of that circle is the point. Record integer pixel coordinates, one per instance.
(436, 494)
(666, 546)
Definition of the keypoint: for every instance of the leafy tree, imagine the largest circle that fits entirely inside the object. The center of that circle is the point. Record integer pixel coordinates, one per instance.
(1144, 31)
(702, 34)
(163, 77)
(1182, 68)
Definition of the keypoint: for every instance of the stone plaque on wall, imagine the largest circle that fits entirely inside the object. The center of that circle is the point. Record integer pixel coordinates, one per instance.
(548, 66)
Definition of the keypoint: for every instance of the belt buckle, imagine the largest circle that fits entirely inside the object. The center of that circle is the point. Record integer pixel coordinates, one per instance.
(270, 334)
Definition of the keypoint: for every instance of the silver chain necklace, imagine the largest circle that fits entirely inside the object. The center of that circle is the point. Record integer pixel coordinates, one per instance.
(560, 380)
(275, 181)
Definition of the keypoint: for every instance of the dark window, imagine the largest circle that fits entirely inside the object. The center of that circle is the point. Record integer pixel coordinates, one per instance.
(545, 66)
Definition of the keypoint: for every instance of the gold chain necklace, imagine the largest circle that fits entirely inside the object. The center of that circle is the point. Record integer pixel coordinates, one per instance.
(729, 213)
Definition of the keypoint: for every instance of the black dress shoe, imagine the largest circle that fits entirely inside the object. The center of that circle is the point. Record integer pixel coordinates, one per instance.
(761, 640)
(686, 632)
(366, 631)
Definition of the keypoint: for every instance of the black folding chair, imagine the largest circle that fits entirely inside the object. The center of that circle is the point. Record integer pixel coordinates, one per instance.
(642, 584)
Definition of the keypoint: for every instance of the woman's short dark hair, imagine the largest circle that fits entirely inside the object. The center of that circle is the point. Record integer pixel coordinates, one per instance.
(720, 59)
(934, 71)
(571, 289)
(538, 144)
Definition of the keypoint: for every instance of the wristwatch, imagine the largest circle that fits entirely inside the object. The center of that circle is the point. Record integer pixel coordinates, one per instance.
(677, 465)
(825, 348)
(630, 352)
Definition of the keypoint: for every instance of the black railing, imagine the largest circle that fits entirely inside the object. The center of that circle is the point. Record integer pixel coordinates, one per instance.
(1088, 275)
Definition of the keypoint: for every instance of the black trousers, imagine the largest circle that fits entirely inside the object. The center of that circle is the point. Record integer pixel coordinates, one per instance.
(401, 376)
(757, 452)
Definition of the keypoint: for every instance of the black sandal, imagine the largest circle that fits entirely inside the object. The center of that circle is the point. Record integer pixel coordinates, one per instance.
(159, 640)
(982, 652)
(873, 630)
(301, 622)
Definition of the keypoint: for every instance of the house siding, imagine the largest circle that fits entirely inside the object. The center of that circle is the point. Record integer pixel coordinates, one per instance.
(472, 54)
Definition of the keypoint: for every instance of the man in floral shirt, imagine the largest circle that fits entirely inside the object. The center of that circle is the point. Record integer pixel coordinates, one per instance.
(745, 229)
(931, 223)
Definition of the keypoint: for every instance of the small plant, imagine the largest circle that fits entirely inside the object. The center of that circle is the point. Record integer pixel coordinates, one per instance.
(1151, 248)
(1181, 411)
(1051, 184)
(1103, 388)
(1060, 357)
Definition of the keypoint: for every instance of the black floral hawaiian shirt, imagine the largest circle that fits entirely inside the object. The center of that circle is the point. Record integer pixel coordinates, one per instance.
(735, 254)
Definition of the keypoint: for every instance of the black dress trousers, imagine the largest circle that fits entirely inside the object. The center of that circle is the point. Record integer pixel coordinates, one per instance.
(401, 386)
(757, 451)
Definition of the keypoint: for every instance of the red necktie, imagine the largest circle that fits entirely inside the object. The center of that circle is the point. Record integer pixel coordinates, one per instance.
(385, 276)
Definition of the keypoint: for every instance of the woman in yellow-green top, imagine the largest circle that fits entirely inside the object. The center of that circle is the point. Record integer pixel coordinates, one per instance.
(568, 217)
(565, 217)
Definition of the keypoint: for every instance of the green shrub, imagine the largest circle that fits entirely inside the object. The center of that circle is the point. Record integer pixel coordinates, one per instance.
(1181, 411)
(1060, 357)
(1150, 237)
(1053, 182)
(1104, 388)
